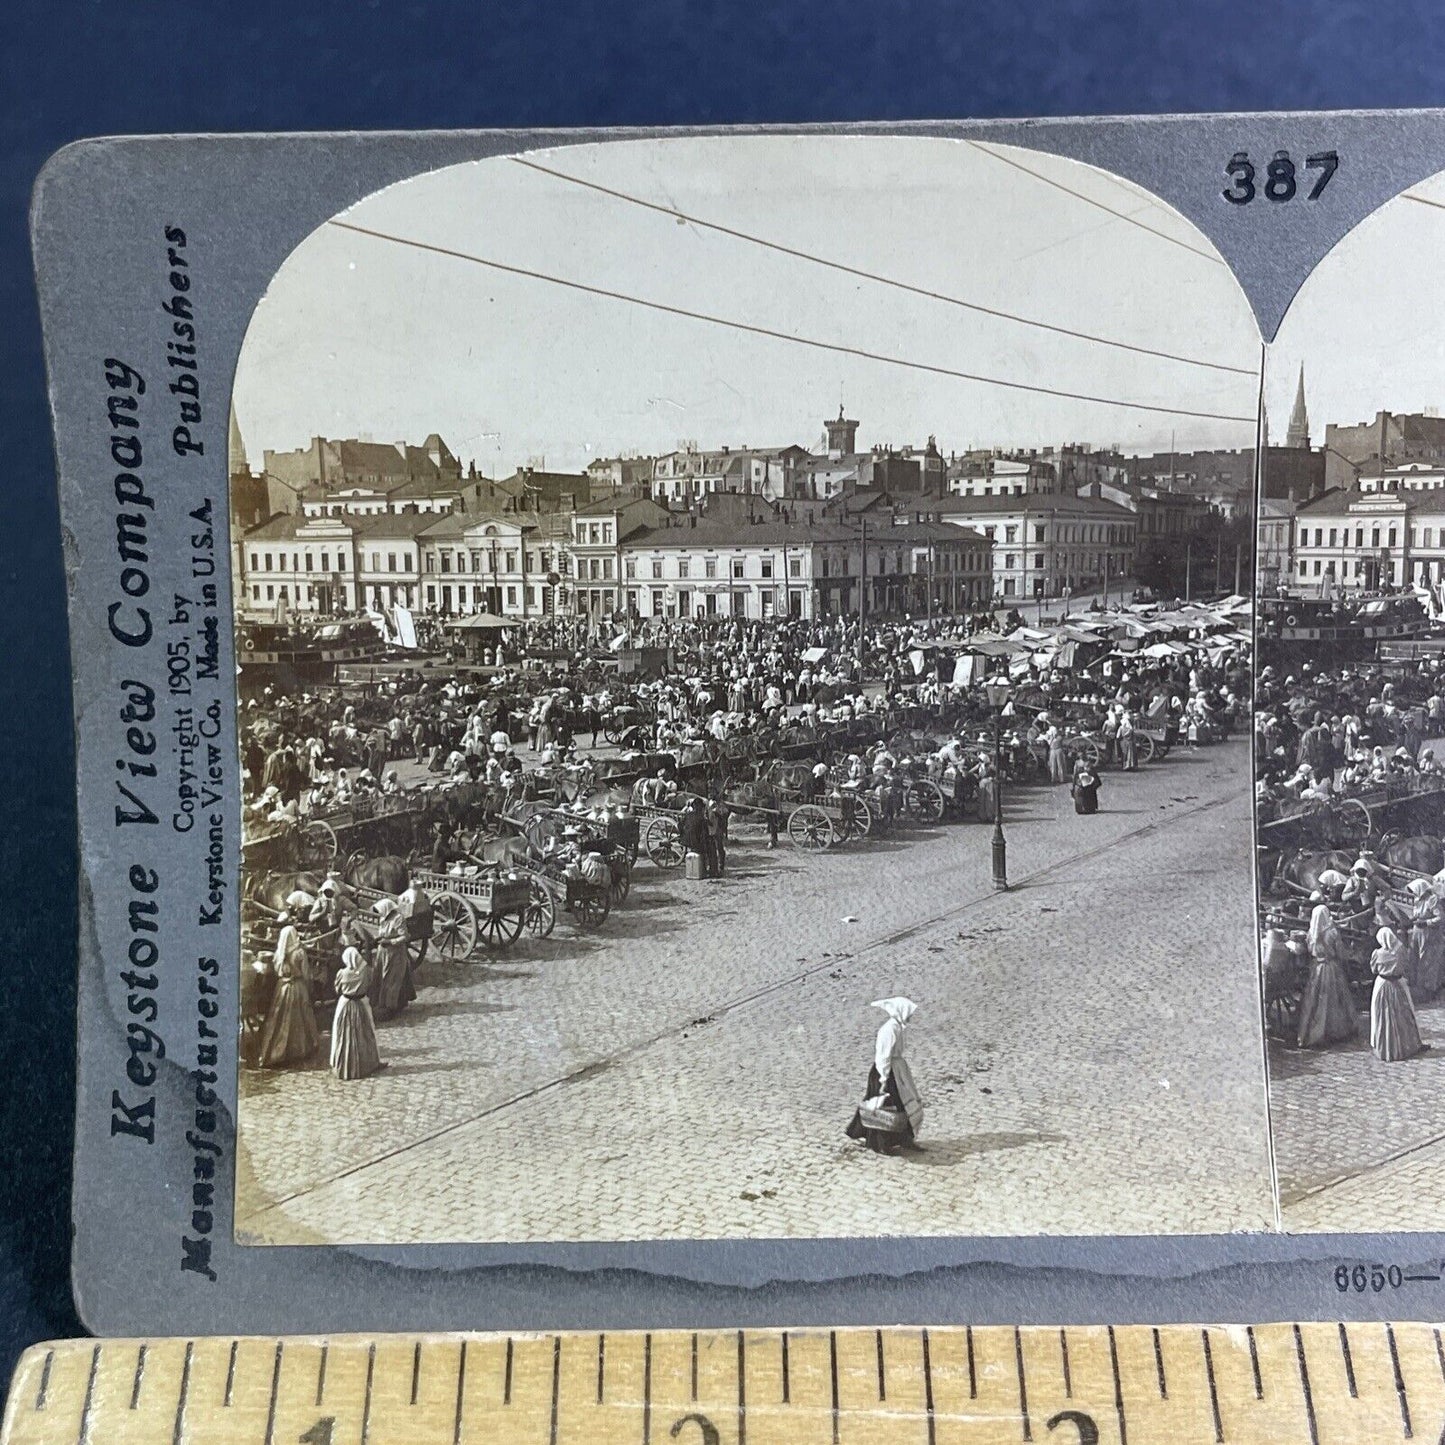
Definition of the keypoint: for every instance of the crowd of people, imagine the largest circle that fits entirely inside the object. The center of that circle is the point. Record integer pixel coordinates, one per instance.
(730, 688)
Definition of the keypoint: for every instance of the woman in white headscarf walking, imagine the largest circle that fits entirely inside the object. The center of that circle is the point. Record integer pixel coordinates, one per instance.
(1427, 940)
(1394, 1031)
(1327, 1012)
(290, 1035)
(391, 987)
(891, 1112)
(354, 1050)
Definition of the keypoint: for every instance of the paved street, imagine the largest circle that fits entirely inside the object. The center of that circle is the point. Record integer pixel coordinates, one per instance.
(1087, 1046)
(1359, 1145)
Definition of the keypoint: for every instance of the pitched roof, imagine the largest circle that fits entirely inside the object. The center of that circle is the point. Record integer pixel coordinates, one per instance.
(1033, 503)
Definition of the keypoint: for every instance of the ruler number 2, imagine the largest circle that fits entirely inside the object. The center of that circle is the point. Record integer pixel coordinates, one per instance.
(1084, 1424)
(1280, 182)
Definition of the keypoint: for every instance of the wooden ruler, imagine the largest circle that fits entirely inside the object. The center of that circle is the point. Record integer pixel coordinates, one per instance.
(1219, 1385)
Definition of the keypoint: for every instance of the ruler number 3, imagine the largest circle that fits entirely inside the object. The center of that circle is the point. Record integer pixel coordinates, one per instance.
(1280, 182)
(1084, 1424)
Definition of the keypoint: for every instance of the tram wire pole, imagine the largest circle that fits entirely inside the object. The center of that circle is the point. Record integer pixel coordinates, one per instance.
(998, 696)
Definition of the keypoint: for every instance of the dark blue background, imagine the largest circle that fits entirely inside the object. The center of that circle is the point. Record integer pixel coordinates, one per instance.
(72, 68)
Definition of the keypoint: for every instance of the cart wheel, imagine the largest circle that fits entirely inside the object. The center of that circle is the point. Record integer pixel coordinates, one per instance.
(502, 930)
(858, 820)
(1351, 822)
(612, 733)
(541, 915)
(1144, 749)
(621, 880)
(924, 801)
(416, 950)
(664, 843)
(592, 908)
(316, 847)
(454, 926)
(811, 829)
(1088, 750)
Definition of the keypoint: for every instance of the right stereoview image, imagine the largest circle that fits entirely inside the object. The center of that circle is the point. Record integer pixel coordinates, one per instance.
(1350, 730)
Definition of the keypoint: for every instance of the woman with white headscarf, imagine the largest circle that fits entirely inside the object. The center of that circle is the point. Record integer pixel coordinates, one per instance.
(290, 1035)
(1394, 1031)
(354, 1051)
(1427, 940)
(391, 986)
(891, 1112)
(1327, 1012)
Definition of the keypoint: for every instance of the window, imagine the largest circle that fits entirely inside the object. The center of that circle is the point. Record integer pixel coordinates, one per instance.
(607, 569)
(391, 561)
(1008, 560)
(326, 562)
(683, 566)
(767, 568)
(511, 596)
(1317, 567)
(446, 562)
(282, 560)
(461, 561)
(431, 561)
(709, 567)
(531, 595)
(1359, 536)
(256, 591)
(1304, 568)
(431, 594)
(1392, 537)
(737, 569)
(795, 566)
(1332, 536)
(1038, 559)
(656, 569)
(684, 603)
(657, 601)
(310, 562)
(1038, 532)
(1010, 534)
(631, 568)
(594, 534)
(270, 593)
(268, 561)
(255, 563)
(594, 569)
(607, 533)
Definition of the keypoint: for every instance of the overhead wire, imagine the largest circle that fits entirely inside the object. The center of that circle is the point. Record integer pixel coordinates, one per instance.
(875, 276)
(785, 336)
(1094, 201)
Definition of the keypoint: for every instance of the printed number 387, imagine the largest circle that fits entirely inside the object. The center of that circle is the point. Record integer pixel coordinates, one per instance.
(1281, 182)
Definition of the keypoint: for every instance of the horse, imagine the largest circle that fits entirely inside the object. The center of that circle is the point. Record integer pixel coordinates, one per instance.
(385, 874)
(1415, 854)
(1300, 872)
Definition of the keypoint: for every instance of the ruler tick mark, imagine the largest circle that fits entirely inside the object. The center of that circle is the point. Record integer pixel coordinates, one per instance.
(178, 1430)
(1159, 1366)
(1213, 1388)
(1118, 1388)
(1349, 1362)
(275, 1387)
(415, 1370)
(231, 1373)
(366, 1402)
(1399, 1383)
(507, 1375)
(833, 1367)
(785, 1367)
(1023, 1388)
(1254, 1362)
(742, 1391)
(972, 1373)
(556, 1385)
(601, 1365)
(320, 1373)
(882, 1379)
(461, 1390)
(1304, 1379)
(1439, 1351)
(45, 1369)
(1064, 1356)
(140, 1370)
(647, 1384)
(694, 1367)
(84, 1434)
(928, 1395)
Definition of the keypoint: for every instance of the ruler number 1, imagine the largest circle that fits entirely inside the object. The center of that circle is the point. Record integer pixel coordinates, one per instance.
(1280, 182)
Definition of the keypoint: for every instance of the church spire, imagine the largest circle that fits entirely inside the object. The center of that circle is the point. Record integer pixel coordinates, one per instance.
(237, 449)
(1299, 418)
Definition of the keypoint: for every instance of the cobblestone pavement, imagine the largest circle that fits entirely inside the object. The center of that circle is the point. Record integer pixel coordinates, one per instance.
(1087, 1046)
(1360, 1145)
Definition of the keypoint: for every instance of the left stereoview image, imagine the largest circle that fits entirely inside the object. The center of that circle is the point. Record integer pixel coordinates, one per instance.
(743, 687)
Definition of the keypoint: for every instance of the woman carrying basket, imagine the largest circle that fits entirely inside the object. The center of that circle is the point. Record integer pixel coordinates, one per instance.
(891, 1112)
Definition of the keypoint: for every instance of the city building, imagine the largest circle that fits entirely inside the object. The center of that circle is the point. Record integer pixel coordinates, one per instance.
(1385, 531)
(1391, 439)
(1043, 542)
(595, 551)
(499, 564)
(1274, 546)
(348, 461)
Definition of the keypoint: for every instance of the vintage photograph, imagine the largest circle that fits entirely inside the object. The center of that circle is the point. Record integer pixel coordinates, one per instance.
(1350, 730)
(745, 658)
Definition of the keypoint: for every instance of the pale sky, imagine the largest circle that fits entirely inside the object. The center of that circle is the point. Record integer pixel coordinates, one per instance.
(364, 337)
(1369, 322)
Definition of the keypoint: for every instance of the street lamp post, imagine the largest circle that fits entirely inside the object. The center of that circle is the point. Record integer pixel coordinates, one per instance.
(998, 697)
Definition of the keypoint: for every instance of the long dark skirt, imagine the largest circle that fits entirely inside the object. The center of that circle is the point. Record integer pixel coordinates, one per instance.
(1086, 799)
(290, 1035)
(880, 1141)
